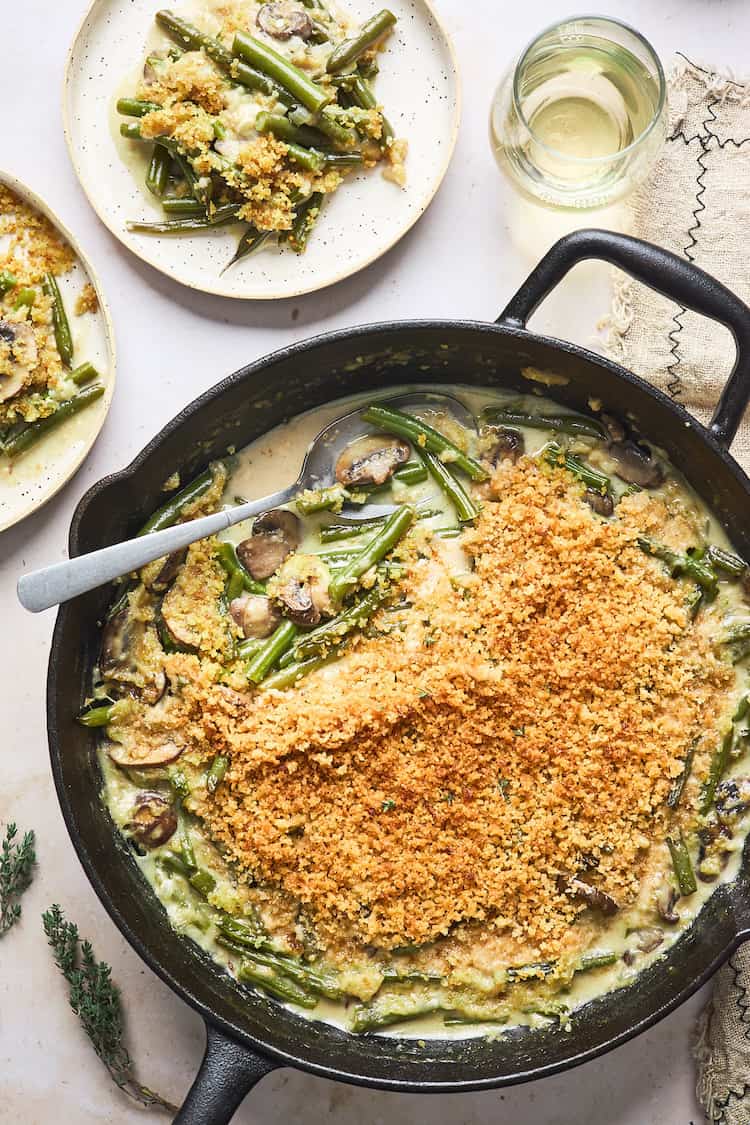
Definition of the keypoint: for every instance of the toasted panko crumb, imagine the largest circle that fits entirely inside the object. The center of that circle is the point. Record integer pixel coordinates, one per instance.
(493, 734)
(395, 169)
(87, 300)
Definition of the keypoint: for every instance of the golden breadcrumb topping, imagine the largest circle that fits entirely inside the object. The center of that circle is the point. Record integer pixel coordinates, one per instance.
(501, 731)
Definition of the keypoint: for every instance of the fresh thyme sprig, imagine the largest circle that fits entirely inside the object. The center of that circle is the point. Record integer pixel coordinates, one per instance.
(17, 861)
(96, 1001)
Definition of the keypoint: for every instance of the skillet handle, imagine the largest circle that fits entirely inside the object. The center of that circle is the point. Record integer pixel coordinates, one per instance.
(228, 1072)
(668, 274)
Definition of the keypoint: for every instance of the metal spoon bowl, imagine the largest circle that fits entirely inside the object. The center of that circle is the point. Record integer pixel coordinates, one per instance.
(51, 585)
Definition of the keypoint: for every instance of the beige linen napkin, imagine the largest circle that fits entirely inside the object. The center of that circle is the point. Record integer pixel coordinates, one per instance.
(697, 203)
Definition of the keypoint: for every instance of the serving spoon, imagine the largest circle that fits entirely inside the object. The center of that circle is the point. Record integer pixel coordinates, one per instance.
(59, 583)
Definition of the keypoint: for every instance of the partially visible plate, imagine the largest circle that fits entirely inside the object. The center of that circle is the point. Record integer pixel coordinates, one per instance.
(32, 479)
(418, 86)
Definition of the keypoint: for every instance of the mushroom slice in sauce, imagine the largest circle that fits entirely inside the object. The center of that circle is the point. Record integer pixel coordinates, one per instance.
(275, 534)
(283, 19)
(175, 631)
(153, 820)
(636, 464)
(666, 900)
(649, 939)
(301, 588)
(599, 502)
(371, 460)
(166, 574)
(133, 753)
(592, 896)
(129, 656)
(508, 445)
(256, 615)
(23, 356)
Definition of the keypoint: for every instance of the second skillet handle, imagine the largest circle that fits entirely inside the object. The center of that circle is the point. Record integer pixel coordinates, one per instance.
(228, 1072)
(668, 274)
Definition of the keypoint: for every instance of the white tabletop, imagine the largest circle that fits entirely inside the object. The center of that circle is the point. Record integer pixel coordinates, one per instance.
(464, 258)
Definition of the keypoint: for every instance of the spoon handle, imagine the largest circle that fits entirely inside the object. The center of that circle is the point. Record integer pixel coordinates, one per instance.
(65, 580)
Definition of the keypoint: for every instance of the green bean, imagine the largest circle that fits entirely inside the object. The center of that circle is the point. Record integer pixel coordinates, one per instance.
(308, 158)
(530, 971)
(279, 986)
(332, 632)
(350, 50)
(304, 220)
(335, 131)
(447, 532)
(678, 785)
(170, 512)
(183, 205)
(179, 782)
(96, 716)
(719, 763)
(727, 561)
(84, 374)
(26, 297)
(389, 1009)
(743, 709)
(682, 865)
(134, 107)
(187, 851)
(321, 499)
(238, 579)
(216, 772)
(63, 337)
(35, 431)
(595, 961)
(271, 651)
(577, 424)
(413, 472)
(250, 240)
(157, 176)
(383, 541)
(278, 68)
(7, 282)
(680, 564)
(555, 456)
(220, 130)
(202, 881)
(337, 531)
(247, 648)
(343, 159)
(222, 216)
(288, 676)
(466, 509)
(254, 79)
(423, 437)
(362, 96)
(283, 128)
(192, 39)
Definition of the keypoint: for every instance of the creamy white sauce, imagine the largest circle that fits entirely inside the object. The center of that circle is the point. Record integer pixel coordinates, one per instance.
(273, 462)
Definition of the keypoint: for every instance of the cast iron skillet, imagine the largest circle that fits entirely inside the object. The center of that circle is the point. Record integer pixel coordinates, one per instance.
(248, 1035)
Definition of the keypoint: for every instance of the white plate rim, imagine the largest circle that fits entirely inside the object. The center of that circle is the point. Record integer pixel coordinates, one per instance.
(281, 294)
(28, 195)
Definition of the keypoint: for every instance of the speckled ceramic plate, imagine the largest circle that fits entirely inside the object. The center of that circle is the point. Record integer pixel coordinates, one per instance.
(418, 86)
(32, 479)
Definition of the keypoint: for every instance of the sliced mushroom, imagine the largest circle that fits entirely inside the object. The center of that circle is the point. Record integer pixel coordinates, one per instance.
(256, 615)
(127, 658)
(649, 939)
(301, 588)
(509, 445)
(23, 356)
(176, 632)
(283, 19)
(600, 502)
(666, 899)
(167, 573)
(614, 427)
(132, 753)
(732, 799)
(275, 535)
(153, 820)
(636, 464)
(371, 460)
(592, 896)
